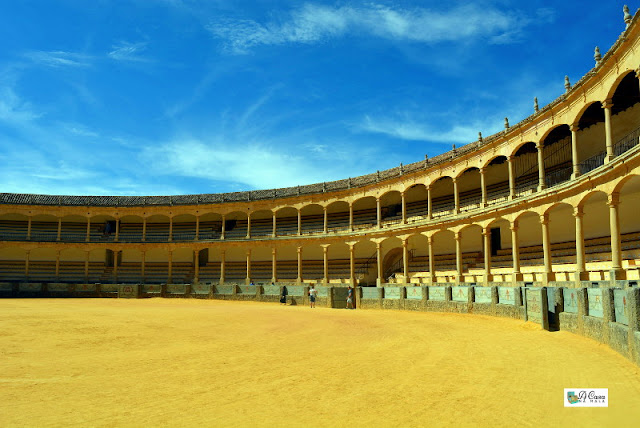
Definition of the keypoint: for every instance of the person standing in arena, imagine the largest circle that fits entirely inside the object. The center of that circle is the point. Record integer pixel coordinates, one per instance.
(350, 298)
(312, 296)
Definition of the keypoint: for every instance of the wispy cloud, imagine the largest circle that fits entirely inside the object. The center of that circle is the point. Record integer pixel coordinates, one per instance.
(131, 52)
(58, 59)
(312, 23)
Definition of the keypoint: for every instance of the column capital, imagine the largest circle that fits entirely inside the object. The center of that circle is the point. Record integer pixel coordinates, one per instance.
(514, 227)
(248, 252)
(511, 157)
(544, 219)
(574, 127)
(299, 250)
(607, 104)
(222, 252)
(273, 251)
(486, 231)
(405, 242)
(613, 199)
(482, 170)
(539, 145)
(578, 212)
(457, 236)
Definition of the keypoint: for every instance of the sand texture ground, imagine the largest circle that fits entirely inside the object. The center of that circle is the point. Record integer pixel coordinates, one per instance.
(184, 362)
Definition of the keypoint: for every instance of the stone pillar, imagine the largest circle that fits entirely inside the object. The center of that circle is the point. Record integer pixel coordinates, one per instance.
(541, 182)
(483, 187)
(170, 268)
(274, 231)
(404, 208)
(456, 196)
(581, 270)
(614, 225)
(88, 237)
(196, 266)
(378, 213)
(405, 259)
(325, 263)
(170, 229)
(117, 229)
(379, 279)
(57, 265)
(222, 266)
(299, 279)
(429, 204)
(350, 216)
(352, 265)
(515, 253)
(248, 225)
(29, 229)
(458, 239)
(574, 151)
(325, 228)
(197, 228)
(143, 266)
(26, 265)
(115, 265)
(144, 229)
(546, 249)
(59, 229)
(86, 266)
(299, 223)
(633, 303)
(486, 233)
(607, 105)
(432, 262)
(248, 278)
(274, 266)
(512, 178)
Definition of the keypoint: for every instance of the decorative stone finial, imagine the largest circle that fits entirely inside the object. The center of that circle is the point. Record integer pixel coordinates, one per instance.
(567, 84)
(597, 56)
(506, 123)
(454, 148)
(480, 137)
(627, 15)
(535, 104)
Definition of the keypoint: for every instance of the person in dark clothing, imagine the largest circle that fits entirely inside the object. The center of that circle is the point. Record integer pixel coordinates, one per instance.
(283, 296)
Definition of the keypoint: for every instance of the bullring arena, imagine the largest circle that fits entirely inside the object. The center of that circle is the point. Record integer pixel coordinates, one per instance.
(487, 279)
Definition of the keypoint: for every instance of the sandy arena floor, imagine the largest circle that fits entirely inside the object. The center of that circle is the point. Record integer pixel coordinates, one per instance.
(174, 362)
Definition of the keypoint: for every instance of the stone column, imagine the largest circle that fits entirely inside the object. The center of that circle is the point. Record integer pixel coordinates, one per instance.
(614, 225)
(432, 262)
(512, 178)
(574, 151)
(515, 253)
(456, 196)
(325, 222)
(429, 204)
(196, 266)
(607, 105)
(581, 270)
(197, 228)
(404, 208)
(170, 229)
(29, 228)
(248, 278)
(275, 229)
(59, 229)
(223, 226)
(117, 229)
(405, 259)
(170, 268)
(486, 233)
(88, 237)
(222, 265)
(378, 213)
(351, 216)
(144, 229)
(248, 225)
(299, 223)
(352, 265)
(57, 265)
(541, 182)
(483, 187)
(299, 279)
(274, 266)
(546, 248)
(325, 261)
(86, 266)
(115, 265)
(458, 239)
(143, 266)
(379, 280)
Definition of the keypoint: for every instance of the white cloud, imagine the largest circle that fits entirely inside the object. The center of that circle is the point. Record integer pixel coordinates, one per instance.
(58, 59)
(313, 23)
(126, 51)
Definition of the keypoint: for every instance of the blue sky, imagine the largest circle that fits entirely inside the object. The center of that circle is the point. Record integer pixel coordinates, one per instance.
(158, 97)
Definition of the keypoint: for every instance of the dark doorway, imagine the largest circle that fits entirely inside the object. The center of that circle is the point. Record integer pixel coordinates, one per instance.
(496, 241)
